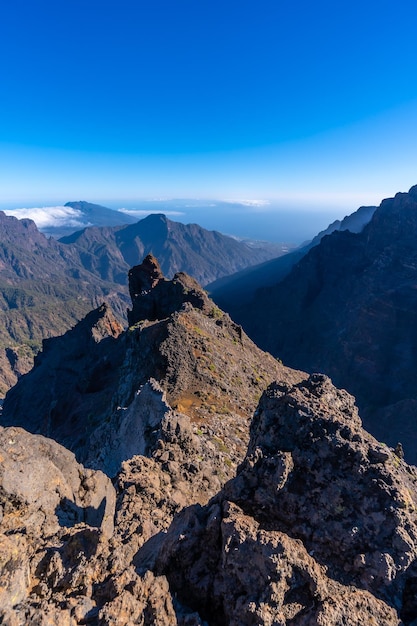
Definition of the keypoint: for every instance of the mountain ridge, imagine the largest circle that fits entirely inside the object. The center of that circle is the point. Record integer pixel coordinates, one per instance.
(236, 291)
(46, 286)
(294, 516)
(348, 309)
(180, 247)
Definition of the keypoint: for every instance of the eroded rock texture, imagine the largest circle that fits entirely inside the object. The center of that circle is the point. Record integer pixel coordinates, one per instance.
(318, 527)
(98, 390)
(296, 518)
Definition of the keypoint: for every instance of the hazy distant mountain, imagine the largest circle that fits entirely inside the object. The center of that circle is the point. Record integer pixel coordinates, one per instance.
(205, 255)
(237, 290)
(100, 215)
(349, 309)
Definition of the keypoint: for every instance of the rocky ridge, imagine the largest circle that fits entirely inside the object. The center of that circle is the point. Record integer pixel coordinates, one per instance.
(348, 309)
(94, 383)
(47, 286)
(317, 527)
(235, 292)
(296, 518)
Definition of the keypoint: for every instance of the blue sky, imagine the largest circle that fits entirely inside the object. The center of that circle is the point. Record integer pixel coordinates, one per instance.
(310, 105)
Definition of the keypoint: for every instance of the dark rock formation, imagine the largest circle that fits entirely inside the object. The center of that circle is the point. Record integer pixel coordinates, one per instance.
(119, 418)
(47, 286)
(318, 527)
(317, 524)
(349, 309)
(153, 297)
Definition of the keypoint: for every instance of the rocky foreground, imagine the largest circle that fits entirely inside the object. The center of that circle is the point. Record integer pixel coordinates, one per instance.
(296, 517)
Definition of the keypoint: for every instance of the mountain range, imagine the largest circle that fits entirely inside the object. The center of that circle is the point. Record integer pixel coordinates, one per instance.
(46, 286)
(110, 252)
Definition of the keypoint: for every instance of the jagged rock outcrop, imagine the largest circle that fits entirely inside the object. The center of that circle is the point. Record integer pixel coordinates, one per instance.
(318, 527)
(317, 523)
(349, 309)
(47, 286)
(52, 510)
(164, 406)
(154, 297)
(100, 392)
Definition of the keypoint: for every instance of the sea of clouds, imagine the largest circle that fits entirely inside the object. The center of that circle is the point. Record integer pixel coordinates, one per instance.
(51, 217)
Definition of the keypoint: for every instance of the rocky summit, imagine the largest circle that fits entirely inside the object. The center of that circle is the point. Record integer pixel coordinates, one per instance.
(202, 483)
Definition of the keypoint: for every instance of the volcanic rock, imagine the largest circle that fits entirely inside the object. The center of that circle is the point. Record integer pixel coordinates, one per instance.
(304, 519)
(318, 527)
(47, 286)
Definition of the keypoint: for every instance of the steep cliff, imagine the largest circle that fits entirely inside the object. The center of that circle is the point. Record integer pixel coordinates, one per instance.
(349, 309)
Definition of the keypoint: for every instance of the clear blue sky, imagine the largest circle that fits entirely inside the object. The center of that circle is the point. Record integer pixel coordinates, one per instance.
(303, 103)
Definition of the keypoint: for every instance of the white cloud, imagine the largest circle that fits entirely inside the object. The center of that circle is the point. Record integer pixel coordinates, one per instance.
(51, 216)
(250, 203)
(144, 212)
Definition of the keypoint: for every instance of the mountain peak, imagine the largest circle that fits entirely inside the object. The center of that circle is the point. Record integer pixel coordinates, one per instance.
(154, 297)
(156, 217)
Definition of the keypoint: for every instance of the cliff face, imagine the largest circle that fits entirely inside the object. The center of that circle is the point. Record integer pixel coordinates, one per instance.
(235, 292)
(318, 527)
(349, 309)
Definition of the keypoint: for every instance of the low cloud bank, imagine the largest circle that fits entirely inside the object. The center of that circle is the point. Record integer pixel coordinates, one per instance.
(51, 216)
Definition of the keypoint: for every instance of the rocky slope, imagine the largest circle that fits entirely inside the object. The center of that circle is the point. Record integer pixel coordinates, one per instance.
(317, 527)
(95, 384)
(348, 309)
(44, 289)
